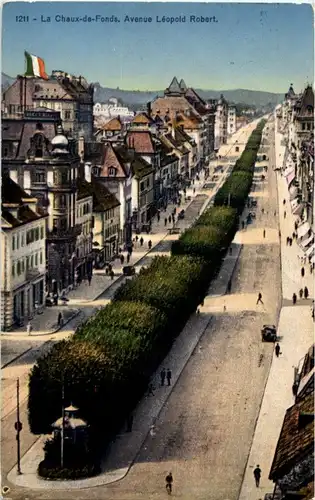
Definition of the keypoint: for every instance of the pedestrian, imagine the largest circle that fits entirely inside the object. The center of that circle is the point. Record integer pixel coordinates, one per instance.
(306, 293)
(129, 422)
(122, 258)
(284, 202)
(294, 297)
(150, 244)
(288, 240)
(229, 286)
(230, 250)
(128, 258)
(259, 299)
(169, 483)
(163, 375)
(158, 217)
(194, 190)
(243, 224)
(59, 319)
(141, 241)
(264, 233)
(112, 274)
(89, 279)
(150, 390)
(275, 213)
(137, 238)
(277, 350)
(291, 241)
(279, 234)
(169, 219)
(29, 328)
(302, 272)
(165, 221)
(284, 214)
(55, 299)
(257, 475)
(168, 376)
(109, 268)
(311, 269)
(262, 210)
(301, 292)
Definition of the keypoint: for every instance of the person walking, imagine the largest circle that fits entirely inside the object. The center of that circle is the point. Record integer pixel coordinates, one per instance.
(259, 299)
(163, 375)
(295, 226)
(302, 272)
(288, 240)
(150, 244)
(129, 422)
(89, 279)
(122, 258)
(165, 221)
(169, 219)
(137, 238)
(29, 328)
(277, 350)
(168, 376)
(112, 274)
(294, 297)
(158, 216)
(243, 224)
(262, 210)
(229, 286)
(301, 292)
(284, 202)
(284, 214)
(264, 233)
(59, 320)
(169, 483)
(141, 241)
(257, 475)
(128, 258)
(306, 293)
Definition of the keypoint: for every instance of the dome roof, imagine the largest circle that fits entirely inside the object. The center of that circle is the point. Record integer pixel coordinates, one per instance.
(60, 140)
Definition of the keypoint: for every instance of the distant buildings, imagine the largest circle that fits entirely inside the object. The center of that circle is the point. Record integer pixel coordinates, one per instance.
(231, 124)
(111, 110)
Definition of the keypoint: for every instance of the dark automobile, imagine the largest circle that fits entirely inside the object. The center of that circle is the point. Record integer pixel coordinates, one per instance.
(129, 271)
(269, 333)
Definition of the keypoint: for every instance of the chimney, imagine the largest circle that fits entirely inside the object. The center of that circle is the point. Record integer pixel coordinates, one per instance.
(149, 109)
(81, 147)
(87, 171)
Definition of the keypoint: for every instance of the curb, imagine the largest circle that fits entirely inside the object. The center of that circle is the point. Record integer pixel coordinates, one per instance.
(41, 335)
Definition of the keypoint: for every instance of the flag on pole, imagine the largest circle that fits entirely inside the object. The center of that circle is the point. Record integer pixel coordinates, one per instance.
(35, 66)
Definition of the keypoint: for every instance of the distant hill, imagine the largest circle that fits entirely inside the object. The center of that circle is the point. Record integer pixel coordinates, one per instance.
(137, 98)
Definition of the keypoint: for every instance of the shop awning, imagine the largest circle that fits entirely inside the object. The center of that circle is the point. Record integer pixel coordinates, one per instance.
(310, 251)
(303, 230)
(305, 243)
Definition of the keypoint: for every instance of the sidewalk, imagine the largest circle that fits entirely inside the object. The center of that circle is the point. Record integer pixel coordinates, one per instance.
(295, 330)
(126, 446)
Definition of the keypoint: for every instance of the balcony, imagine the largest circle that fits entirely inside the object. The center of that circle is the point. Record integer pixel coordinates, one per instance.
(32, 274)
(64, 234)
(67, 186)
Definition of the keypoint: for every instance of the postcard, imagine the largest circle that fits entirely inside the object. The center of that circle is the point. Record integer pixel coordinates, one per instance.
(157, 238)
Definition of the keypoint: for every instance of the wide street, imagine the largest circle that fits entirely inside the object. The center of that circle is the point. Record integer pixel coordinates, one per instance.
(205, 429)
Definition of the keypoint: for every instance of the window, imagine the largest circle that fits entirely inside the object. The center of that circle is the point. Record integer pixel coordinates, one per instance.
(67, 115)
(13, 242)
(13, 270)
(112, 172)
(36, 260)
(40, 177)
(5, 151)
(17, 241)
(41, 257)
(22, 240)
(42, 232)
(27, 263)
(36, 231)
(31, 261)
(18, 268)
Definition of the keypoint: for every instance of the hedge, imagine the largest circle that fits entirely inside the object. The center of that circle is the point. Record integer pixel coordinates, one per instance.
(210, 236)
(100, 366)
(106, 365)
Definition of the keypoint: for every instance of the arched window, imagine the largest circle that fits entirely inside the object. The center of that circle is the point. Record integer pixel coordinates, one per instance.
(112, 172)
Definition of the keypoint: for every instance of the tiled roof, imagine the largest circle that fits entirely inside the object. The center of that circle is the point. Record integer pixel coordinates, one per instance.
(174, 86)
(142, 118)
(140, 141)
(306, 105)
(141, 168)
(103, 199)
(29, 129)
(183, 137)
(113, 125)
(295, 440)
(11, 192)
(112, 158)
(170, 105)
(11, 130)
(182, 85)
(174, 144)
(192, 94)
(94, 152)
(84, 189)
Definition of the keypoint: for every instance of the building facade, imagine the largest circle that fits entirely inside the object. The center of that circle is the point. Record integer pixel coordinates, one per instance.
(231, 124)
(23, 262)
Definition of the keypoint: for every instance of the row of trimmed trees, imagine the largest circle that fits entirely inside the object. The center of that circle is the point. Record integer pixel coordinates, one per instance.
(106, 365)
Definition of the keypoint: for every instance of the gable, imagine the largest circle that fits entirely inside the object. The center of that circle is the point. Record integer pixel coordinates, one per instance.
(111, 161)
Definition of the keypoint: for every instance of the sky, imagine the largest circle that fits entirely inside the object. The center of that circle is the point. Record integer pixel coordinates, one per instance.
(249, 46)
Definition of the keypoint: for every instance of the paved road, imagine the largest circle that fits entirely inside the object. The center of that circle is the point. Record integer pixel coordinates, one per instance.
(8, 445)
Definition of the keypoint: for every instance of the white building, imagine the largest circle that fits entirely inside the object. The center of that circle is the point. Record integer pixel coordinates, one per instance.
(111, 110)
(221, 123)
(231, 124)
(23, 259)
